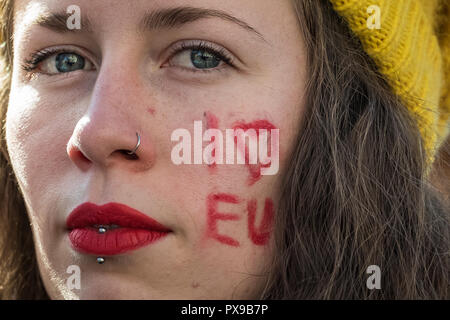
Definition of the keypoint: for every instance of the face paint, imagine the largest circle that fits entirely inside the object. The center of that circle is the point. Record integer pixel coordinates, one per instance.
(260, 235)
(255, 169)
(213, 216)
(257, 156)
(212, 123)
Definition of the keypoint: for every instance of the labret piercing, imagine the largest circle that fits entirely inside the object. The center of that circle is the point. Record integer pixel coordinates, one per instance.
(102, 230)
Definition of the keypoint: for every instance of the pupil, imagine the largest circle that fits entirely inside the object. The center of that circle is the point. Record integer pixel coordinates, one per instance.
(204, 60)
(67, 62)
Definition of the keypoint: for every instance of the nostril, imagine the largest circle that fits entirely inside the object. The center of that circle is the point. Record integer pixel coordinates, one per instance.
(127, 154)
(76, 154)
(78, 157)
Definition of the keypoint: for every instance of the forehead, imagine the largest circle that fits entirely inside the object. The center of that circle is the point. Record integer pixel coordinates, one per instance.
(267, 16)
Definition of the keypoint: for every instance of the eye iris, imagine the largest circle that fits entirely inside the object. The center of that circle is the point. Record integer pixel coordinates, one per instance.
(203, 60)
(67, 62)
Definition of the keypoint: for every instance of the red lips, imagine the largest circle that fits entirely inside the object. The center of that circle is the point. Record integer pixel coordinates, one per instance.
(126, 229)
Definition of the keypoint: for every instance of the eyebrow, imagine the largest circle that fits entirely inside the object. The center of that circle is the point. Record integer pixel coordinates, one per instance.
(58, 22)
(179, 16)
(157, 19)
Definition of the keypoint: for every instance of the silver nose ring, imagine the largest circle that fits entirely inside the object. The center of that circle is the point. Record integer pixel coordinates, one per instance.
(137, 145)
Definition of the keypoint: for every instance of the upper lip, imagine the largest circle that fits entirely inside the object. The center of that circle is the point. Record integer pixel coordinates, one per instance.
(90, 215)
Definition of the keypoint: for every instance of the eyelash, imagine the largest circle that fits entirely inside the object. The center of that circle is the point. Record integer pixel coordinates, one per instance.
(37, 57)
(221, 53)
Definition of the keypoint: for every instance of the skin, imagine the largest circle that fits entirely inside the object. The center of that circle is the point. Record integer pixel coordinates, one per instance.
(65, 132)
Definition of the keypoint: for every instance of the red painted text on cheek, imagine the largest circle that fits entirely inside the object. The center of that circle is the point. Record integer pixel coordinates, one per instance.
(212, 123)
(259, 235)
(213, 216)
(254, 169)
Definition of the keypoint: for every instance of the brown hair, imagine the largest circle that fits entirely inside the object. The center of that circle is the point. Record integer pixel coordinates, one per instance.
(19, 274)
(355, 193)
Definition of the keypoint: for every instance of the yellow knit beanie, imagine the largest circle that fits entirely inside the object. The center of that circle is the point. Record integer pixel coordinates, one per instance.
(410, 44)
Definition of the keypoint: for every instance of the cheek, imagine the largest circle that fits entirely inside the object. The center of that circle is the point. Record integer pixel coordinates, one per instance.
(35, 152)
(241, 105)
(229, 205)
(33, 141)
(21, 125)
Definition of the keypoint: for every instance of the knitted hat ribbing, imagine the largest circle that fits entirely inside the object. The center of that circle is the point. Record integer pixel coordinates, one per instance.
(411, 48)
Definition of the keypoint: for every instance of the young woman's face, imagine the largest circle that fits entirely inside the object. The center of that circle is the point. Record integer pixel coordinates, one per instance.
(78, 98)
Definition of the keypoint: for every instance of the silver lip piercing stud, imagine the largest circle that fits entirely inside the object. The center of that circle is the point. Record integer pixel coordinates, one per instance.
(101, 230)
(101, 260)
(137, 145)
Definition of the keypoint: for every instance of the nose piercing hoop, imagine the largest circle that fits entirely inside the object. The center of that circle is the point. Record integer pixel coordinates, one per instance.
(137, 145)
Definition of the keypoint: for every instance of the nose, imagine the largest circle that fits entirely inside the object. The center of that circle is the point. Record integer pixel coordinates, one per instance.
(112, 127)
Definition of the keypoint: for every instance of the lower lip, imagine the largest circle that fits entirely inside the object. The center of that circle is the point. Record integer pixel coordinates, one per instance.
(112, 242)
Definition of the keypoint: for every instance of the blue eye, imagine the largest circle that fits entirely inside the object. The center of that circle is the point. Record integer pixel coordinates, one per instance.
(54, 61)
(202, 59)
(201, 56)
(68, 62)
